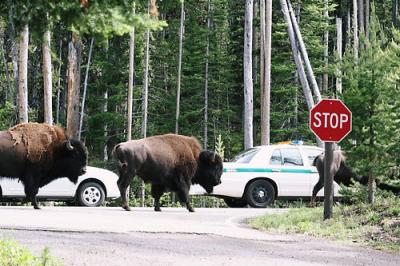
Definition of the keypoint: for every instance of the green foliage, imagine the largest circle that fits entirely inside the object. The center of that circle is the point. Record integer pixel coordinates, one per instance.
(7, 116)
(375, 225)
(13, 254)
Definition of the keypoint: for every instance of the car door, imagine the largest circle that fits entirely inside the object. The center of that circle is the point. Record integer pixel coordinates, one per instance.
(59, 188)
(292, 176)
(12, 187)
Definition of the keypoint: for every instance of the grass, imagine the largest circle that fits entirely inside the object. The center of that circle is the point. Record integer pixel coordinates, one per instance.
(13, 254)
(376, 225)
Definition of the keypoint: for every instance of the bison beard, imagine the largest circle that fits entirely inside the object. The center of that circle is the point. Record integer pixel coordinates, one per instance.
(170, 163)
(342, 174)
(38, 154)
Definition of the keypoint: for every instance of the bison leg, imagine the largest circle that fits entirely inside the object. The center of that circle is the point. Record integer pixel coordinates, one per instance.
(157, 191)
(317, 187)
(183, 194)
(31, 190)
(123, 184)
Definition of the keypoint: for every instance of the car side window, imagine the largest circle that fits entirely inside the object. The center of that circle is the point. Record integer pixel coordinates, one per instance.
(276, 157)
(291, 156)
(311, 154)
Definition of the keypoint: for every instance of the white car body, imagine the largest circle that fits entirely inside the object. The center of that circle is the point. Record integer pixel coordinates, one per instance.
(63, 188)
(289, 181)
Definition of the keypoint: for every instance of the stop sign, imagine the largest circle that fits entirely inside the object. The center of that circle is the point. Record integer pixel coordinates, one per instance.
(330, 120)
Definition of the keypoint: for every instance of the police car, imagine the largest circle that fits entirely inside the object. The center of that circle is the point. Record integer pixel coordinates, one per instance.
(260, 175)
(91, 190)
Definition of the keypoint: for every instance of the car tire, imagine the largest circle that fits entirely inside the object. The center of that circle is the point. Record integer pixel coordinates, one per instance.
(235, 202)
(260, 193)
(91, 194)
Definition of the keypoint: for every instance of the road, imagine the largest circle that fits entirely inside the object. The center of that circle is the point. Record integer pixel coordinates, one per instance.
(110, 236)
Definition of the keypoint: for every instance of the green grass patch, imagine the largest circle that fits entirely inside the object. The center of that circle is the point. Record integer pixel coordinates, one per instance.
(376, 225)
(13, 254)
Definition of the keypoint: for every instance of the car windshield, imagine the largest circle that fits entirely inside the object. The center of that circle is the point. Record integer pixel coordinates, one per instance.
(245, 156)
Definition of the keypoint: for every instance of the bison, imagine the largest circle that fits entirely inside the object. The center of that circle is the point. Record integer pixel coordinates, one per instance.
(170, 163)
(342, 174)
(38, 154)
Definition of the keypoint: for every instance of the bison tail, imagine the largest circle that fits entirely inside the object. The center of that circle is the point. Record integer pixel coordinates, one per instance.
(117, 154)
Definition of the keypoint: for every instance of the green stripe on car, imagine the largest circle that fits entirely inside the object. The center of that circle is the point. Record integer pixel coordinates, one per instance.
(268, 170)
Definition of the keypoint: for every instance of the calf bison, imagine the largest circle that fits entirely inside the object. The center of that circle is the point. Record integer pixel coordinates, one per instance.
(342, 174)
(170, 163)
(38, 154)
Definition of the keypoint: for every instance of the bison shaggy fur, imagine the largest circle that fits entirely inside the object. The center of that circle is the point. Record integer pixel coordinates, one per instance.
(170, 163)
(38, 154)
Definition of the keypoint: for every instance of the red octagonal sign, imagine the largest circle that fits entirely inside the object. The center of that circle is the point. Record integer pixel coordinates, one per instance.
(330, 120)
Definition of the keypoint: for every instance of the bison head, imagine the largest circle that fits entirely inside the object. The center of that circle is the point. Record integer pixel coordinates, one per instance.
(209, 170)
(71, 160)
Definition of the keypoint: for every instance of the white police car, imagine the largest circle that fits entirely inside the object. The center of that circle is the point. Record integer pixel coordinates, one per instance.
(91, 190)
(260, 175)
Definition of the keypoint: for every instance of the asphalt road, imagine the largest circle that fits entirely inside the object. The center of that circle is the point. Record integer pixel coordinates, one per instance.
(110, 236)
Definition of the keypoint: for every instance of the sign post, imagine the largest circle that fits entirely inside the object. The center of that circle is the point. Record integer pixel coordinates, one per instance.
(330, 120)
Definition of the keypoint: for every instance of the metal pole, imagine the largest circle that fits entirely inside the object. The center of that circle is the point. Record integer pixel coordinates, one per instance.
(328, 180)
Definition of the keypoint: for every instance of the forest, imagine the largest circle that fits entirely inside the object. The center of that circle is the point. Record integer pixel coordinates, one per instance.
(224, 71)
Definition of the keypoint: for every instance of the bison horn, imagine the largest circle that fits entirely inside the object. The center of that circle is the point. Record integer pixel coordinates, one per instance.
(213, 157)
(69, 145)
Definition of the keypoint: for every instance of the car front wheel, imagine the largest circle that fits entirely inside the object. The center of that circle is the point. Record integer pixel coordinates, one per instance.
(260, 193)
(91, 194)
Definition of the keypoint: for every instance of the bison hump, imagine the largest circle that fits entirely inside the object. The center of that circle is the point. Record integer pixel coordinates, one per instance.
(39, 139)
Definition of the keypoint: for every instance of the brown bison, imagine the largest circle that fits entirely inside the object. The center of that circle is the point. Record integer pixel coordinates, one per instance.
(38, 154)
(342, 174)
(170, 163)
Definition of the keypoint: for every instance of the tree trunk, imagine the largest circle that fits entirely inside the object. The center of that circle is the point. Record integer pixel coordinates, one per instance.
(361, 16)
(326, 49)
(178, 91)
(47, 78)
(105, 127)
(14, 50)
(367, 8)
(74, 69)
(293, 26)
(248, 82)
(23, 75)
(339, 50)
(297, 58)
(85, 88)
(355, 30)
(59, 85)
(206, 78)
(266, 33)
(131, 81)
(255, 42)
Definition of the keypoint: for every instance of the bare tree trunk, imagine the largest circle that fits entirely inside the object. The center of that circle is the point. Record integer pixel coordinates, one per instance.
(266, 36)
(178, 91)
(85, 88)
(248, 82)
(23, 75)
(326, 49)
(367, 10)
(74, 69)
(355, 30)
(348, 35)
(297, 58)
(14, 50)
(339, 50)
(206, 78)
(294, 26)
(59, 85)
(255, 42)
(47, 78)
(131, 81)
(105, 127)
(361, 16)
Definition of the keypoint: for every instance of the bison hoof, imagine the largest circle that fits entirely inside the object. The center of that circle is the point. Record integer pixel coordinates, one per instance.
(126, 208)
(36, 207)
(157, 209)
(190, 209)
